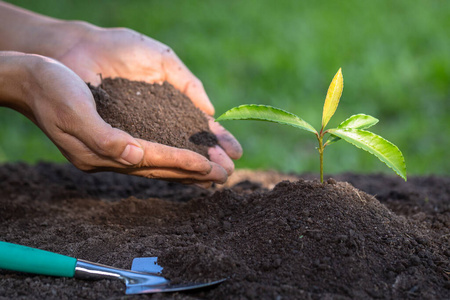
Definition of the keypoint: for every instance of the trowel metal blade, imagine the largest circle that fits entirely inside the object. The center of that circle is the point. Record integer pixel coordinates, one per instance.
(146, 264)
(142, 289)
(150, 265)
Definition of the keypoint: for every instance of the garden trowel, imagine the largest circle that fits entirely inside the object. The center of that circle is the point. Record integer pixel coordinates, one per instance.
(144, 276)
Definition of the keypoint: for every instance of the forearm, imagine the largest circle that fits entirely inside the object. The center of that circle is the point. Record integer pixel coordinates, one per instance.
(29, 32)
(18, 72)
(13, 78)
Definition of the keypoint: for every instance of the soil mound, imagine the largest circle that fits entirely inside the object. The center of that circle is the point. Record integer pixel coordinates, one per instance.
(305, 239)
(297, 240)
(153, 112)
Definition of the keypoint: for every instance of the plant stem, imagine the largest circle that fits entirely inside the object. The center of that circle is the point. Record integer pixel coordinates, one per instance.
(320, 138)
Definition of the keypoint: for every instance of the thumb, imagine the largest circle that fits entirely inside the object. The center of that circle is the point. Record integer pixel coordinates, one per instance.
(132, 154)
(108, 142)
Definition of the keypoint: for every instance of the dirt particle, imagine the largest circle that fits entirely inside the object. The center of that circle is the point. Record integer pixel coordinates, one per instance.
(226, 225)
(331, 181)
(153, 112)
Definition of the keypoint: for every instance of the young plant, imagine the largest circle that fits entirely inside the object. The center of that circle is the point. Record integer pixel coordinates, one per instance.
(351, 130)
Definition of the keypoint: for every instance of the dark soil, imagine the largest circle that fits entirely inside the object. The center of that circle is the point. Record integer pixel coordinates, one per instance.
(375, 237)
(153, 112)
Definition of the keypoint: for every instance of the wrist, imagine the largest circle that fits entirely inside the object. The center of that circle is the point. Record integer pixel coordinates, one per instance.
(57, 37)
(13, 79)
(54, 37)
(28, 32)
(19, 86)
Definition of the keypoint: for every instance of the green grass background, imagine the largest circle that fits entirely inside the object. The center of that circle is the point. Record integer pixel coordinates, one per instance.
(395, 57)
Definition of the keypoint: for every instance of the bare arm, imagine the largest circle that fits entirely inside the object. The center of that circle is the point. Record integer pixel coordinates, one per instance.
(25, 31)
(61, 104)
(89, 50)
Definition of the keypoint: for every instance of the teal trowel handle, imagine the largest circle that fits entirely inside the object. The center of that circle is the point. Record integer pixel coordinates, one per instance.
(30, 260)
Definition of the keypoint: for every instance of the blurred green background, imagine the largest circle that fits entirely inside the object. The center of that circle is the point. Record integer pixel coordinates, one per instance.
(395, 57)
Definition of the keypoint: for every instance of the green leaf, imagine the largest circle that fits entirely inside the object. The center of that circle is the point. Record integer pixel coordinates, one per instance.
(265, 113)
(376, 145)
(359, 121)
(333, 95)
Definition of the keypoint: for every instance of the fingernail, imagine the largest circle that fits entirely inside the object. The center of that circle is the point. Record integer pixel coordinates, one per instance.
(208, 171)
(204, 185)
(132, 154)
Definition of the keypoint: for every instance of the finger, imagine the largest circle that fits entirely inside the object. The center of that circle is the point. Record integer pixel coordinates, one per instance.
(146, 155)
(218, 155)
(83, 157)
(217, 174)
(88, 161)
(226, 140)
(182, 79)
(204, 185)
(102, 139)
(158, 155)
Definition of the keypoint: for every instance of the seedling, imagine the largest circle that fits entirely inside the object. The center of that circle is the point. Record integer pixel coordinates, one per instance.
(351, 130)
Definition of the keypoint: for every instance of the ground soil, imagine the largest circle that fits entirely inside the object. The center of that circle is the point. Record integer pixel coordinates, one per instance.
(153, 112)
(273, 236)
(354, 237)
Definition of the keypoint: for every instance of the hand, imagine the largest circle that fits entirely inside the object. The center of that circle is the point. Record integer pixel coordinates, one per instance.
(119, 52)
(89, 50)
(61, 104)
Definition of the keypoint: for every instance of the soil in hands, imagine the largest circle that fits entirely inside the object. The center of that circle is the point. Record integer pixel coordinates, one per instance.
(153, 112)
(272, 238)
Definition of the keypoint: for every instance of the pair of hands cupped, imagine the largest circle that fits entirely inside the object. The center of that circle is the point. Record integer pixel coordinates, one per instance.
(64, 109)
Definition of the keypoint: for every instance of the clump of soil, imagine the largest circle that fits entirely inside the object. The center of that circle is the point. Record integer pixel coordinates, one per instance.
(303, 238)
(272, 238)
(153, 112)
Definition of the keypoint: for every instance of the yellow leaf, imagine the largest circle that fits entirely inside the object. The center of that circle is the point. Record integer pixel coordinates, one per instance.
(333, 95)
